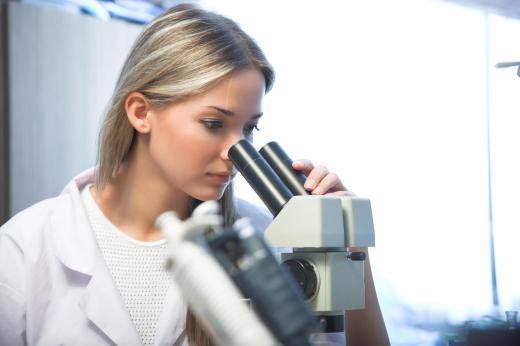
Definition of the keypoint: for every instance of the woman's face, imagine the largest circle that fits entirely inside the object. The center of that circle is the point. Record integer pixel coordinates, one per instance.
(190, 138)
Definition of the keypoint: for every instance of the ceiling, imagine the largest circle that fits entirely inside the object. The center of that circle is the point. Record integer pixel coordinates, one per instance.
(508, 8)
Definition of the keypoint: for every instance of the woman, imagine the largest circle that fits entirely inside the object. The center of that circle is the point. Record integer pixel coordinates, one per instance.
(86, 267)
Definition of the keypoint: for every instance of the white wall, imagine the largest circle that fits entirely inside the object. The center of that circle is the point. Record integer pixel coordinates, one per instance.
(63, 68)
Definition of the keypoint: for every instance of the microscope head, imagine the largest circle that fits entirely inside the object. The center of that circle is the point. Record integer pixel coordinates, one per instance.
(301, 220)
(323, 222)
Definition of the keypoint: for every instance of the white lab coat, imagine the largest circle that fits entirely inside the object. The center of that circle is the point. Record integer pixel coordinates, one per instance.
(55, 288)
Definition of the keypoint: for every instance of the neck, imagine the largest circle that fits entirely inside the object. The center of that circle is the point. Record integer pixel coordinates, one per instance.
(137, 196)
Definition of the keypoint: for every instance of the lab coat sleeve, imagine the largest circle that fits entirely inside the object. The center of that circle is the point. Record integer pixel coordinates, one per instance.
(259, 216)
(12, 290)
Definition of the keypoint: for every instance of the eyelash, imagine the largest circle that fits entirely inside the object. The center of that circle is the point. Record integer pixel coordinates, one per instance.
(214, 125)
(251, 128)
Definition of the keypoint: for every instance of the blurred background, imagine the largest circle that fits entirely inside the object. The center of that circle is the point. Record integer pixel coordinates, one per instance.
(401, 98)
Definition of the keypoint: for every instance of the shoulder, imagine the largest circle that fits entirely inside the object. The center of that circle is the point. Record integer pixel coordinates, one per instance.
(38, 215)
(259, 216)
(20, 239)
(28, 220)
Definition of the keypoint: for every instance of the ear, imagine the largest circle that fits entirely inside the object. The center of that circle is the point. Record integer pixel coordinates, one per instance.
(138, 110)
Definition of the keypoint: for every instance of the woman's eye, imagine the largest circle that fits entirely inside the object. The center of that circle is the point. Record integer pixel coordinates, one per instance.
(249, 129)
(212, 123)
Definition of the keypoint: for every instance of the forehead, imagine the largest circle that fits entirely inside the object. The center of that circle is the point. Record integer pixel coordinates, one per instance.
(237, 90)
(240, 92)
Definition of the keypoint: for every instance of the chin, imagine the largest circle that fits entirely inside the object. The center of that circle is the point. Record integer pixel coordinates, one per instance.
(209, 195)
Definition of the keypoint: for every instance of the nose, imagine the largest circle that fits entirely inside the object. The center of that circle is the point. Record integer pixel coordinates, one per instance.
(229, 142)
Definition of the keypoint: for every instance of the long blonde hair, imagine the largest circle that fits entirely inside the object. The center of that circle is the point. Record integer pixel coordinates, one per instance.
(183, 52)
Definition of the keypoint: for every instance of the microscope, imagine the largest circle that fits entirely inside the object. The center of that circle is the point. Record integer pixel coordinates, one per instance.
(217, 265)
(320, 230)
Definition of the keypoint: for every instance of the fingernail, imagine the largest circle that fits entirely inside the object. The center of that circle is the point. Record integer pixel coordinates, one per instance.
(309, 184)
(317, 191)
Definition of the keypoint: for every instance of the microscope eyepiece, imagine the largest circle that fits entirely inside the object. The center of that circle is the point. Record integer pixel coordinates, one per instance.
(259, 175)
(281, 163)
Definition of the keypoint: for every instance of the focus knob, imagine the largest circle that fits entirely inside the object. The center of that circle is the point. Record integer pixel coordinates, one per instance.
(357, 256)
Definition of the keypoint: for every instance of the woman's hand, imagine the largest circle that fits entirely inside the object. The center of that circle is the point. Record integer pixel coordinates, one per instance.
(320, 181)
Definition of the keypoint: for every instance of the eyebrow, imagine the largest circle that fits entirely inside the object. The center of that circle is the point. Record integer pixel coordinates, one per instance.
(230, 113)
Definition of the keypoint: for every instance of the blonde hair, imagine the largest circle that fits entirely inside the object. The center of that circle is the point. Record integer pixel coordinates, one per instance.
(183, 52)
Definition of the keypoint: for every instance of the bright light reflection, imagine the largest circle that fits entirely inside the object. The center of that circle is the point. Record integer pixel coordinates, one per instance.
(392, 96)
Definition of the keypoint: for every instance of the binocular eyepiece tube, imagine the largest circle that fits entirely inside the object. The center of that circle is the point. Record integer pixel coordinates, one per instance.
(269, 172)
(281, 163)
(259, 175)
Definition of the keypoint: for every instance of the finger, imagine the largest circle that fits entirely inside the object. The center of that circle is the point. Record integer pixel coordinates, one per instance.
(329, 183)
(315, 177)
(303, 165)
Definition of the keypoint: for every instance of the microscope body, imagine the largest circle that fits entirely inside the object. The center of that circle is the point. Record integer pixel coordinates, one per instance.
(320, 230)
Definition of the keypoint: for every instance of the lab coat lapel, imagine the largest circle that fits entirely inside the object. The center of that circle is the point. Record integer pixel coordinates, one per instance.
(76, 249)
(104, 307)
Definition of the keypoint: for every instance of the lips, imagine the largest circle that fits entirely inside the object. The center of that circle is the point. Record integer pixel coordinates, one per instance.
(225, 173)
(222, 177)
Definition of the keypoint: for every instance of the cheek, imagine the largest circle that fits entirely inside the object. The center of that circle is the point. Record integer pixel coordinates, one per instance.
(185, 147)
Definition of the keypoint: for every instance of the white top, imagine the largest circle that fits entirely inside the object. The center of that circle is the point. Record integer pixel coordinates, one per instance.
(137, 267)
